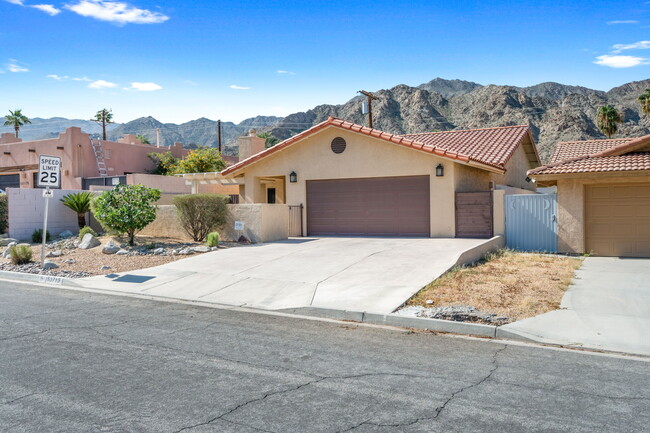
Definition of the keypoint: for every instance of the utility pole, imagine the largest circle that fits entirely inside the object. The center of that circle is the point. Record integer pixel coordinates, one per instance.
(157, 137)
(219, 133)
(370, 97)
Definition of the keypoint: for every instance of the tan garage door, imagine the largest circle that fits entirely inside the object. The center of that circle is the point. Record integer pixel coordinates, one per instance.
(396, 206)
(618, 220)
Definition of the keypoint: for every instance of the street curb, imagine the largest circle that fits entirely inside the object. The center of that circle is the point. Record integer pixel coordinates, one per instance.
(437, 325)
(49, 280)
(510, 335)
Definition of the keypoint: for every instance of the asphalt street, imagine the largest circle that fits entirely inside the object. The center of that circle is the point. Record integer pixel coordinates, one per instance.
(83, 362)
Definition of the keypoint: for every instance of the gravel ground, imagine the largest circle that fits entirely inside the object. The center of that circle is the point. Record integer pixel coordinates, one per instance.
(457, 313)
(77, 263)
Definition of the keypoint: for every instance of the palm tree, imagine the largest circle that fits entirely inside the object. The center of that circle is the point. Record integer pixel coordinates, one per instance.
(606, 119)
(103, 117)
(79, 202)
(269, 140)
(16, 119)
(143, 139)
(644, 100)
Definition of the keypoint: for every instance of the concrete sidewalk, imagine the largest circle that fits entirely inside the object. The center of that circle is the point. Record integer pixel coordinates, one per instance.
(607, 307)
(360, 274)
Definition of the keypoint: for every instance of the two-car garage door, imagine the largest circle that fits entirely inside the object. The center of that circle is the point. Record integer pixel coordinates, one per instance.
(618, 220)
(396, 206)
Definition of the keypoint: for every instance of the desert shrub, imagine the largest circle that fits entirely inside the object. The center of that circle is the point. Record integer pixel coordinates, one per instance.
(4, 213)
(85, 230)
(37, 236)
(126, 208)
(201, 213)
(79, 202)
(20, 254)
(213, 239)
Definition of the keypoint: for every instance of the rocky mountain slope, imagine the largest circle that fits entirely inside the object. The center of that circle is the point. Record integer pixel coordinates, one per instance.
(555, 112)
(50, 128)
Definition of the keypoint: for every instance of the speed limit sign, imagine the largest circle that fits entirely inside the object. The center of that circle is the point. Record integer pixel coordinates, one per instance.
(49, 171)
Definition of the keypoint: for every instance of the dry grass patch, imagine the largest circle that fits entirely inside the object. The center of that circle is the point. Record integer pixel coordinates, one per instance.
(505, 283)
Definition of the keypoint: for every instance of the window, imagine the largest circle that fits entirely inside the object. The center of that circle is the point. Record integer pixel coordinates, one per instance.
(270, 195)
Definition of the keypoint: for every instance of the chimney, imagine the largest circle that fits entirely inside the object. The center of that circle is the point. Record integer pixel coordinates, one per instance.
(249, 145)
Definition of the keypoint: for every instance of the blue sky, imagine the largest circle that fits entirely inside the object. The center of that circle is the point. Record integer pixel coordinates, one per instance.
(178, 61)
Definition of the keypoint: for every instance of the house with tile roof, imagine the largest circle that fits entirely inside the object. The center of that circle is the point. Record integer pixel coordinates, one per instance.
(352, 180)
(603, 193)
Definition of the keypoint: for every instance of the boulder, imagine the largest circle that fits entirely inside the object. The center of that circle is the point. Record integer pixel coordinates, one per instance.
(111, 248)
(6, 254)
(69, 261)
(66, 234)
(49, 265)
(56, 253)
(201, 249)
(122, 253)
(159, 251)
(104, 268)
(6, 241)
(88, 241)
(185, 252)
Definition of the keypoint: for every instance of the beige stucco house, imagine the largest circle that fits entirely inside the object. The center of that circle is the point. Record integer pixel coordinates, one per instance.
(603, 193)
(351, 179)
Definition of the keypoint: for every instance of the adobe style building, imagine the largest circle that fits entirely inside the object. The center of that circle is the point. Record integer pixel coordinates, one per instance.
(81, 158)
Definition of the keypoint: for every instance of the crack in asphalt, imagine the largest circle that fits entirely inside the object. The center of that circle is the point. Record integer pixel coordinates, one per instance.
(88, 327)
(19, 398)
(441, 408)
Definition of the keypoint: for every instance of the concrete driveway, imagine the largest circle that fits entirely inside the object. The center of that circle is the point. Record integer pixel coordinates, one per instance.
(360, 274)
(607, 307)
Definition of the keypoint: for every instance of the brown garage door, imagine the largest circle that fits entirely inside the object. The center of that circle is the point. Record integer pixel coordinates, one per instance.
(373, 206)
(618, 220)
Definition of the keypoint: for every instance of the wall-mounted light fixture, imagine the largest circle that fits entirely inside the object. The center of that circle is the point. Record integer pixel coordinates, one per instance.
(440, 170)
(293, 177)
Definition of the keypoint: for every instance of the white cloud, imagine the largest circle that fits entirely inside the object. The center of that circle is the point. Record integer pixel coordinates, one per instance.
(620, 61)
(13, 66)
(281, 72)
(236, 87)
(609, 23)
(116, 12)
(58, 77)
(641, 45)
(102, 84)
(15, 2)
(48, 9)
(81, 79)
(145, 87)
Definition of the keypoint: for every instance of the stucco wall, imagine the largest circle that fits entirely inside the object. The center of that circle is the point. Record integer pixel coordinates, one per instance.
(166, 184)
(364, 157)
(471, 179)
(571, 211)
(499, 212)
(27, 208)
(262, 223)
(515, 175)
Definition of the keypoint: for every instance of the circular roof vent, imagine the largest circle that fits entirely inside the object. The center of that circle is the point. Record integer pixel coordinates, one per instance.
(338, 145)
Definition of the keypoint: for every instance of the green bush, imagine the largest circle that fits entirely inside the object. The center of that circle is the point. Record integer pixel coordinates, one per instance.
(213, 239)
(85, 230)
(20, 254)
(126, 208)
(37, 236)
(4, 213)
(201, 213)
(79, 202)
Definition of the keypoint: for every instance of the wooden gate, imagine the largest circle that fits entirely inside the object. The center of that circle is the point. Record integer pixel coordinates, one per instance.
(295, 220)
(474, 215)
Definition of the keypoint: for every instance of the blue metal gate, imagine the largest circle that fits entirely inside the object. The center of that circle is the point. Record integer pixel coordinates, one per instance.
(531, 223)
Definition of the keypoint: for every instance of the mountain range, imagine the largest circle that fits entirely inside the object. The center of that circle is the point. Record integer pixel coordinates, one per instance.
(555, 112)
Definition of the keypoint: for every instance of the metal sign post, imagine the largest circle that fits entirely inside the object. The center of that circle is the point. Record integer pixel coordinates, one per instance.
(49, 176)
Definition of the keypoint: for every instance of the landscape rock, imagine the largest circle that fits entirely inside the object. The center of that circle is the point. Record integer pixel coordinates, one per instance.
(201, 249)
(6, 241)
(49, 265)
(5, 253)
(56, 253)
(66, 234)
(88, 241)
(70, 261)
(122, 253)
(111, 248)
(185, 252)
(104, 268)
(159, 251)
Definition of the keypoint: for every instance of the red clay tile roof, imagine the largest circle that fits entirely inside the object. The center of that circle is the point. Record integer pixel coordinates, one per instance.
(575, 149)
(493, 146)
(497, 144)
(621, 155)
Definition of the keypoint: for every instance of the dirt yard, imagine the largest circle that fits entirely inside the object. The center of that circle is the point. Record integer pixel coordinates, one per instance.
(507, 284)
(148, 251)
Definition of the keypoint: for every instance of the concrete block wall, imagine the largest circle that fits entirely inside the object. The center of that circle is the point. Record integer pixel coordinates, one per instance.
(27, 208)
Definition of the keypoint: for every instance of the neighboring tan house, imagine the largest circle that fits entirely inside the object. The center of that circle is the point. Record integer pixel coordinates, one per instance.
(81, 158)
(603, 193)
(355, 180)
